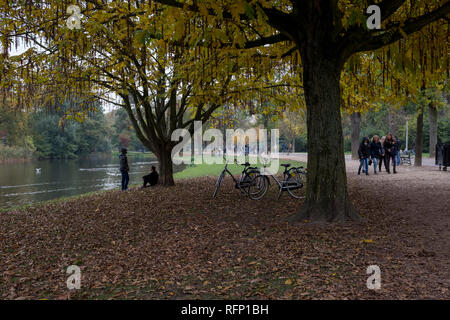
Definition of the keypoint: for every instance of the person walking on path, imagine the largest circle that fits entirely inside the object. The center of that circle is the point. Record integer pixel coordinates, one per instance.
(124, 168)
(383, 138)
(398, 145)
(376, 151)
(390, 151)
(364, 154)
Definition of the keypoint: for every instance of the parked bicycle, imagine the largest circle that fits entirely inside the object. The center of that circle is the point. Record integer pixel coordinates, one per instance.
(294, 179)
(247, 177)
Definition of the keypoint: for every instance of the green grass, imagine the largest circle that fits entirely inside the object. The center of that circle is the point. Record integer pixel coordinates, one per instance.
(53, 201)
(204, 170)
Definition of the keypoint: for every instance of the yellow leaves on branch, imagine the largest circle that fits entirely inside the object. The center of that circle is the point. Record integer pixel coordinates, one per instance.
(125, 44)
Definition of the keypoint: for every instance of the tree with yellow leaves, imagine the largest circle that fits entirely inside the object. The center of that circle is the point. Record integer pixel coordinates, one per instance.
(401, 73)
(134, 55)
(315, 38)
(324, 34)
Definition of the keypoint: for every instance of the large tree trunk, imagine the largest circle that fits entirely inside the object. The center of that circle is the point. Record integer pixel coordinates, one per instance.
(355, 118)
(419, 139)
(433, 115)
(164, 156)
(326, 194)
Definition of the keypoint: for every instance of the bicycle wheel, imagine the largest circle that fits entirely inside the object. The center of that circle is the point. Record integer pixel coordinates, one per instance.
(218, 183)
(258, 187)
(244, 181)
(295, 183)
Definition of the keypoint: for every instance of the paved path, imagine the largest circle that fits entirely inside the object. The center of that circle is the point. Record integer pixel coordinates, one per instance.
(303, 156)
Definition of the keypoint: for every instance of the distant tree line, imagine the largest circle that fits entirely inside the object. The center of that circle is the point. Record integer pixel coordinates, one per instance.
(41, 134)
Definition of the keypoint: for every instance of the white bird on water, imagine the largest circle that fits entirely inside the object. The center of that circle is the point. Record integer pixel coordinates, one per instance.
(38, 170)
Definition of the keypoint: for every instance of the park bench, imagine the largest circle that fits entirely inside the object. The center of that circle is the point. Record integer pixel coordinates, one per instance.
(405, 157)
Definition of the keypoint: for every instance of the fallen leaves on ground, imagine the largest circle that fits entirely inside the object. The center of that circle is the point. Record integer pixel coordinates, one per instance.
(170, 243)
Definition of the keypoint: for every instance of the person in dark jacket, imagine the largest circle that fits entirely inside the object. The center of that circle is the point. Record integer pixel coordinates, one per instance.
(124, 169)
(364, 155)
(376, 152)
(151, 178)
(380, 163)
(390, 152)
(398, 144)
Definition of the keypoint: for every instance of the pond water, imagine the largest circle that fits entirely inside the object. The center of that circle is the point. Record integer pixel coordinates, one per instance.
(22, 183)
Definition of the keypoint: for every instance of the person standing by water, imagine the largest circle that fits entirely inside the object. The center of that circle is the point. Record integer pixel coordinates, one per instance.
(376, 151)
(364, 154)
(390, 151)
(124, 168)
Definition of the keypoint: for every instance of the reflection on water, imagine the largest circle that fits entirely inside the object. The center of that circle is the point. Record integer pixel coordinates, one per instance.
(21, 183)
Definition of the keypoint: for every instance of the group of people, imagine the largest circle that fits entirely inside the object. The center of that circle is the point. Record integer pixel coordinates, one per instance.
(377, 151)
(151, 179)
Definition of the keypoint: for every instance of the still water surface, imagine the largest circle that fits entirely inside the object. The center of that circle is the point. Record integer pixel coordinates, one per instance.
(21, 183)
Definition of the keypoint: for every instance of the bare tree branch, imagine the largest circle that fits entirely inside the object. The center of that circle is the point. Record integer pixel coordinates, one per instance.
(357, 40)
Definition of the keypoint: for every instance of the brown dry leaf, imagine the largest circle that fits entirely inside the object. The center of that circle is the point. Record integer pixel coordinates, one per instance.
(160, 243)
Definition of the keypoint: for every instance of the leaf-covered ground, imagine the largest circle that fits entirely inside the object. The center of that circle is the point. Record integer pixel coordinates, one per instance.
(171, 243)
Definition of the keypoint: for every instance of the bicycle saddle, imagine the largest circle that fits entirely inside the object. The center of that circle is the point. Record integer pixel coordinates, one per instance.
(285, 165)
(245, 164)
